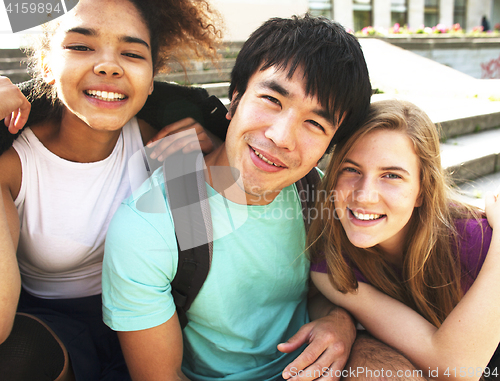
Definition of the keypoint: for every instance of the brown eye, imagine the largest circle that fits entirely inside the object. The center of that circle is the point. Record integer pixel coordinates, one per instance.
(79, 48)
(316, 124)
(132, 55)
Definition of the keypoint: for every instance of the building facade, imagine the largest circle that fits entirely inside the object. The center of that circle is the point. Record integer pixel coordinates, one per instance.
(357, 14)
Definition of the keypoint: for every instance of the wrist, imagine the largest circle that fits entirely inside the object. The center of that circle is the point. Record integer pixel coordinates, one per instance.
(343, 318)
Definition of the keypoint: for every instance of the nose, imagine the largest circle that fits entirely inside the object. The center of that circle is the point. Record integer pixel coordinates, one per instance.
(283, 132)
(366, 191)
(108, 65)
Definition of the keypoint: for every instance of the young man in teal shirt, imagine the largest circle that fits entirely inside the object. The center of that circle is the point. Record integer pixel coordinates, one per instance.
(298, 86)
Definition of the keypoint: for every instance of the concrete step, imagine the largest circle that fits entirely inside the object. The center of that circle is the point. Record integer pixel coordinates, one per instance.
(397, 71)
(473, 191)
(13, 63)
(16, 75)
(10, 63)
(224, 63)
(457, 116)
(472, 156)
(12, 53)
(220, 89)
(196, 77)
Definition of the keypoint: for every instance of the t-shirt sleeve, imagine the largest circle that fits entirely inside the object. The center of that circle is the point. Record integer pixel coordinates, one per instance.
(475, 239)
(319, 267)
(140, 261)
(322, 267)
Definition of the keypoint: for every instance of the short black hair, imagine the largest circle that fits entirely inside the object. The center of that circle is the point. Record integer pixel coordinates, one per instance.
(331, 58)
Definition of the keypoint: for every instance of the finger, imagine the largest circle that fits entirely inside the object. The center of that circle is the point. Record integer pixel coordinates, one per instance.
(492, 208)
(296, 341)
(320, 370)
(322, 352)
(12, 122)
(309, 356)
(24, 112)
(206, 146)
(178, 145)
(175, 127)
(7, 120)
(489, 199)
(174, 140)
(497, 191)
(324, 368)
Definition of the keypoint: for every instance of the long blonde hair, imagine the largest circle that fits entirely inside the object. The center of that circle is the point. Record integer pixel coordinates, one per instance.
(431, 271)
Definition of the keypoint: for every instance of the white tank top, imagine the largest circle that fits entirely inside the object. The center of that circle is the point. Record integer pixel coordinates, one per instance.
(65, 208)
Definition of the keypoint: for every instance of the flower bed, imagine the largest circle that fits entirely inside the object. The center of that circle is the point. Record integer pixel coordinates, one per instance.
(438, 30)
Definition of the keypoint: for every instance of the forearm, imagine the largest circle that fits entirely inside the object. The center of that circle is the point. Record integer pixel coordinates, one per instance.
(466, 338)
(319, 306)
(471, 333)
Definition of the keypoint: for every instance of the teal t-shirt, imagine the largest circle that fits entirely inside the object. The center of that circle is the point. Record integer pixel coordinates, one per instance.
(253, 298)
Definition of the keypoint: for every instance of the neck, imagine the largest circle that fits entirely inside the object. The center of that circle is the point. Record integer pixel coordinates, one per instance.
(394, 256)
(395, 246)
(74, 140)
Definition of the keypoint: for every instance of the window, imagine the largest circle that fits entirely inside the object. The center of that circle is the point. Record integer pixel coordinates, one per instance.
(399, 12)
(321, 8)
(431, 12)
(459, 13)
(362, 12)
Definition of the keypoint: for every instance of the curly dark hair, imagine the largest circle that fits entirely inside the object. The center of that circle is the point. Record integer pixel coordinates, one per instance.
(179, 30)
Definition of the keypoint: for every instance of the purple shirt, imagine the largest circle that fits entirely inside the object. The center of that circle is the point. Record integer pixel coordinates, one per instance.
(474, 247)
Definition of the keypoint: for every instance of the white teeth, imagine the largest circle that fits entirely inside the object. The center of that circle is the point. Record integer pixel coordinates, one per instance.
(266, 160)
(105, 95)
(366, 217)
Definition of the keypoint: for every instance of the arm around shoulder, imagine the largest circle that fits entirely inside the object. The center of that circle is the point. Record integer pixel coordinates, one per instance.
(466, 339)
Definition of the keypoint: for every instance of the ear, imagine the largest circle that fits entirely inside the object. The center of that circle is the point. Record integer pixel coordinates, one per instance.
(419, 201)
(152, 87)
(48, 76)
(235, 99)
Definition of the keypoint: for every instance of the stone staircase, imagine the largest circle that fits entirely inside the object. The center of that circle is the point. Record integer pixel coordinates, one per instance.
(459, 103)
(13, 63)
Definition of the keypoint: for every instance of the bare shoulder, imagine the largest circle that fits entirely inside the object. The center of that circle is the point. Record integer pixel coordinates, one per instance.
(11, 172)
(147, 131)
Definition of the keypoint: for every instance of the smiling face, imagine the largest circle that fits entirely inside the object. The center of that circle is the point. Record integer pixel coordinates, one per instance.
(277, 134)
(100, 63)
(377, 190)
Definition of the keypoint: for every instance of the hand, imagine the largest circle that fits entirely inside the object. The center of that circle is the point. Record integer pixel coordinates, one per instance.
(330, 340)
(14, 107)
(492, 208)
(165, 147)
